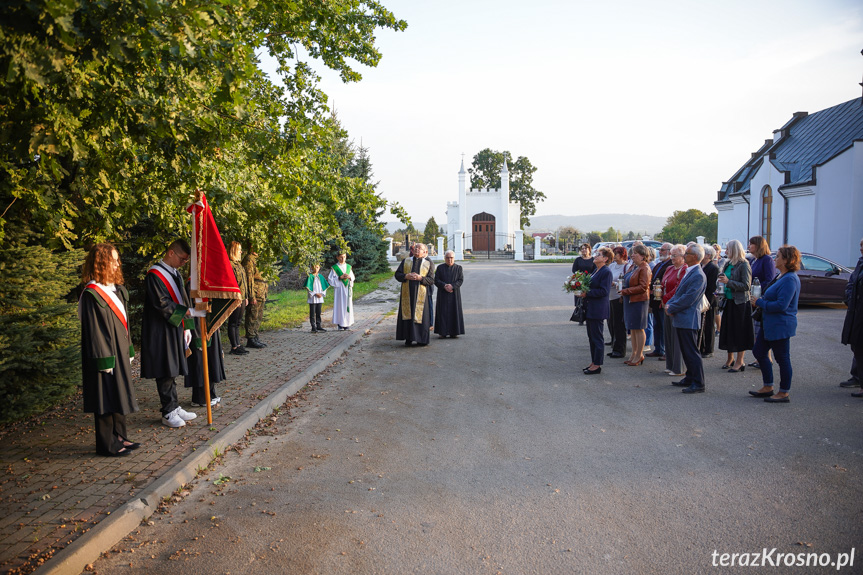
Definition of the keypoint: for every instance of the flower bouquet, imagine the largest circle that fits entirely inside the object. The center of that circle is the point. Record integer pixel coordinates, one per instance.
(577, 283)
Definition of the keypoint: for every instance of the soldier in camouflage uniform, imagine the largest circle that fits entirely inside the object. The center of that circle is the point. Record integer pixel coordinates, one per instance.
(258, 296)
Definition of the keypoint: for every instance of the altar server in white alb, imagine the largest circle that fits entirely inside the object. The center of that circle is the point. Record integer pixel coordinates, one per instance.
(341, 279)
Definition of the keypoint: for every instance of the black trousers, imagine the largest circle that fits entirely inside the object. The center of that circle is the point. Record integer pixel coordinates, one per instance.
(616, 327)
(110, 427)
(198, 395)
(857, 350)
(596, 337)
(234, 321)
(707, 333)
(315, 314)
(688, 341)
(167, 387)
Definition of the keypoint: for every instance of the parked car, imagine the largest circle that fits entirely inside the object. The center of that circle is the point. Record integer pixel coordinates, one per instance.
(649, 243)
(821, 280)
(598, 245)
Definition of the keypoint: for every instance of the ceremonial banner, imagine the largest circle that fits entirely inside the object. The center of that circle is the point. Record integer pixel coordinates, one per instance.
(212, 277)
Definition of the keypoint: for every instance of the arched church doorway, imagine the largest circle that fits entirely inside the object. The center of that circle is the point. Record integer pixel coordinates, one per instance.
(482, 232)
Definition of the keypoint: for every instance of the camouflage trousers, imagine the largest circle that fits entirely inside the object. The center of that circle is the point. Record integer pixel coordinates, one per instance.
(254, 316)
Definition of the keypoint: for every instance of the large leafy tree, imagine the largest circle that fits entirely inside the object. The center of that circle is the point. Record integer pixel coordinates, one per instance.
(685, 226)
(485, 173)
(112, 113)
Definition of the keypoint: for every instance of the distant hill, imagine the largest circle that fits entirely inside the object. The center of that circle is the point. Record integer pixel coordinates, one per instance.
(599, 222)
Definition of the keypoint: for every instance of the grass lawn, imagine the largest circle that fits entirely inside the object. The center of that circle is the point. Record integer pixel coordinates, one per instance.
(290, 309)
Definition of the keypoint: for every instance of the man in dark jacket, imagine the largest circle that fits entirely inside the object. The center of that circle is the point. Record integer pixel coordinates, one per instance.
(852, 331)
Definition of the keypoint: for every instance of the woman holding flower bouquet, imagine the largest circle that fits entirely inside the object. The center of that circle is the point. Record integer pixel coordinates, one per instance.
(583, 263)
(597, 308)
(635, 295)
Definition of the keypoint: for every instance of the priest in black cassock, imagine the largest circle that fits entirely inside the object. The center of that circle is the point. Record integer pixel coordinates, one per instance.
(106, 350)
(448, 278)
(416, 275)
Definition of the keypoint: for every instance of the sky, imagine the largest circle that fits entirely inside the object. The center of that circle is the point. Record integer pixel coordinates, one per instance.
(623, 107)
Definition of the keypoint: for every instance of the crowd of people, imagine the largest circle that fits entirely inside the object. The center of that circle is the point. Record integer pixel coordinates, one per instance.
(693, 297)
(171, 331)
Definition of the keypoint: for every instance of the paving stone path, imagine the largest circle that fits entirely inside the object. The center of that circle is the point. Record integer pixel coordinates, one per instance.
(54, 488)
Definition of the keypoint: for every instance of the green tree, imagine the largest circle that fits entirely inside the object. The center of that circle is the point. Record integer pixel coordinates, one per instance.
(115, 112)
(594, 237)
(611, 235)
(485, 173)
(368, 252)
(682, 227)
(630, 235)
(431, 232)
(39, 336)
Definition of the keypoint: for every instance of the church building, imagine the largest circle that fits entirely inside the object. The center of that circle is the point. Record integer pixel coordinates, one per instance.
(803, 187)
(486, 218)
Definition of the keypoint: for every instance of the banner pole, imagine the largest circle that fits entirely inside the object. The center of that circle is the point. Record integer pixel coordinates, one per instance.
(206, 362)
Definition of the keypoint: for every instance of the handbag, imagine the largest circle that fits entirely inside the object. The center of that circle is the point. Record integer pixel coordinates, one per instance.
(578, 313)
(703, 305)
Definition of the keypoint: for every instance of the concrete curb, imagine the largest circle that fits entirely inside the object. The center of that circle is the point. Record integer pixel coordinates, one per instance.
(72, 559)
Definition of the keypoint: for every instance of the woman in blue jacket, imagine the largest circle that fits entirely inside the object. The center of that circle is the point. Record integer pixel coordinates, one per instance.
(778, 325)
(597, 308)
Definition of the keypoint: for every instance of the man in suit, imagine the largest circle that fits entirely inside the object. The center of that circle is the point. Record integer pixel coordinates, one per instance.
(686, 317)
(655, 304)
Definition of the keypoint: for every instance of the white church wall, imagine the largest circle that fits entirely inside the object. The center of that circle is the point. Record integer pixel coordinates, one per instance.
(801, 233)
(833, 213)
(733, 222)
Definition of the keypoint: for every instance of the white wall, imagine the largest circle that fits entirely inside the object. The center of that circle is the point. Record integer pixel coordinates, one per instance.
(835, 238)
(732, 223)
(801, 233)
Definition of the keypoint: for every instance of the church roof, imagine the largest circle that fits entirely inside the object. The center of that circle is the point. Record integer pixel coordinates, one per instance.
(805, 142)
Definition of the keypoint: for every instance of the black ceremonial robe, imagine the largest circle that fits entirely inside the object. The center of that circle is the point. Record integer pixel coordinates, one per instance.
(415, 304)
(449, 320)
(105, 344)
(162, 325)
(216, 366)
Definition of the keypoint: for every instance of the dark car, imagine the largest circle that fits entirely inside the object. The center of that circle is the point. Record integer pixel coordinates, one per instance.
(821, 280)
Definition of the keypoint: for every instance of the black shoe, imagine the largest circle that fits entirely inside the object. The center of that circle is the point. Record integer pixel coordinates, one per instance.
(785, 399)
(761, 393)
(681, 383)
(314, 330)
(609, 343)
(693, 389)
(408, 343)
(239, 350)
(653, 354)
(755, 365)
(592, 372)
(255, 344)
(732, 370)
(260, 343)
(706, 355)
(321, 328)
(857, 394)
(615, 355)
(853, 382)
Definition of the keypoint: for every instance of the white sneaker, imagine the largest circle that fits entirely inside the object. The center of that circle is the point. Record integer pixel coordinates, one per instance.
(215, 401)
(173, 420)
(185, 415)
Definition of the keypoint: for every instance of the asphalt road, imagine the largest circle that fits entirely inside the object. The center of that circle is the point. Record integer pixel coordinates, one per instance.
(492, 453)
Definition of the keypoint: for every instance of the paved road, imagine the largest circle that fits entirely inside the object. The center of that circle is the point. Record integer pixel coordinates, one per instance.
(494, 454)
